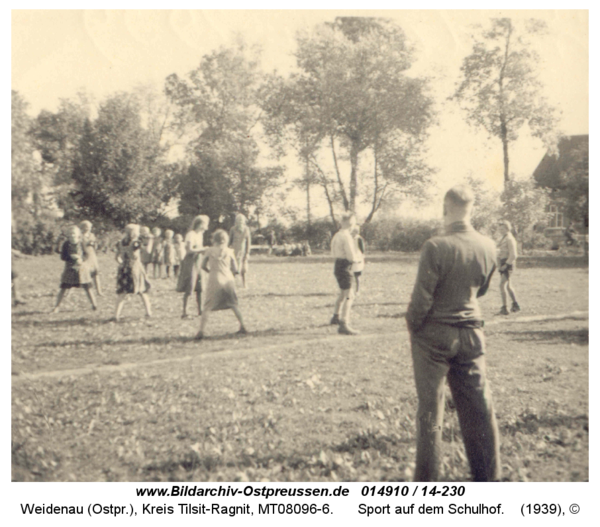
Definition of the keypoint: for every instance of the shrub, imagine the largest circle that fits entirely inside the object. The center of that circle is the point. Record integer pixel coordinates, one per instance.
(406, 235)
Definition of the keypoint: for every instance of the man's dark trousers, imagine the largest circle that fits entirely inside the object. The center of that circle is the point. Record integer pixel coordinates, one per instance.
(440, 351)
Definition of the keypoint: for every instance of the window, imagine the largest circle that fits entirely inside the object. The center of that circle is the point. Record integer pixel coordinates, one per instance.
(556, 219)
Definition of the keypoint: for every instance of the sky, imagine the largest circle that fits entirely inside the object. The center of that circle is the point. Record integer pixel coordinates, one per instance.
(56, 53)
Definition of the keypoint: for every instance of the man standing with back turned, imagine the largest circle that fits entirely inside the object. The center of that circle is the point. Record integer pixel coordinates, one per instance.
(445, 326)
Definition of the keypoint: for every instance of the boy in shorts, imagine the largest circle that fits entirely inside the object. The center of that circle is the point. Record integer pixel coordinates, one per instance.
(343, 250)
(507, 256)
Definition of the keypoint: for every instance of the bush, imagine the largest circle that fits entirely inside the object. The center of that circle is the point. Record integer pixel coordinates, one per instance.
(404, 235)
(31, 237)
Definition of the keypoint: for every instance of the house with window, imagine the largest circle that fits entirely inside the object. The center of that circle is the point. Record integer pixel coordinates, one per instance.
(565, 171)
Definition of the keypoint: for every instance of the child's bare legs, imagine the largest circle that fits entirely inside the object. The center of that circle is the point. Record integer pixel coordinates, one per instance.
(203, 322)
(61, 294)
(185, 301)
(357, 277)
(90, 294)
(506, 289)
(176, 271)
(199, 300)
(238, 314)
(347, 306)
(96, 279)
(338, 306)
(243, 276)
(120, 303)
(168, 271)
(146, 301)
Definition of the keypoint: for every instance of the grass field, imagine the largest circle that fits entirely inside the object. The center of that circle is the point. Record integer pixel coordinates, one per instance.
(93, 400)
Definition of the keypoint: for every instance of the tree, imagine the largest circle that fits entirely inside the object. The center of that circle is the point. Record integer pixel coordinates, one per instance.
(500, 90)
(118, 169)
(28, 180)
(56, 136)
(487, 206)
(351, 95)
(525, 206)
(218, 112)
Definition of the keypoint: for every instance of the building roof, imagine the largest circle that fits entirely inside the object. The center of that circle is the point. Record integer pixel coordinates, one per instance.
(547, 173)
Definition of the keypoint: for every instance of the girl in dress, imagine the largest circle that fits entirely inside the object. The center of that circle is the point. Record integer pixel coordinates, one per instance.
(169, 256)
(157, 252)
(240, 242)
(179, 253)
(90, 245)
(75, 273)
(131, 278)
(219, 262)
(190, 279)
(146, 239)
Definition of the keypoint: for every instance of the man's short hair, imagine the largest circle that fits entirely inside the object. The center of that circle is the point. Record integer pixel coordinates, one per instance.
(348, 216)
(460, 196)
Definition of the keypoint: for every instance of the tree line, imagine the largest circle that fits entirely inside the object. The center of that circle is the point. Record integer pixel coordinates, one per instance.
(212, 142)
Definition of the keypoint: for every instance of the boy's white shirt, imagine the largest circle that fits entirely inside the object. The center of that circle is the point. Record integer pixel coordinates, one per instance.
(342, 245)
(511, 246)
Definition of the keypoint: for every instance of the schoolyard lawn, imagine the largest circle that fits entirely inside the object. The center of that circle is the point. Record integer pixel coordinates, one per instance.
(94, 400)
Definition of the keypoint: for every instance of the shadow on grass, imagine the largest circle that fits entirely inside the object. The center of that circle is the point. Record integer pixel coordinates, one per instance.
(165, 340)
(573, 336)
(393, 315)
(65, 322)
(286, 294)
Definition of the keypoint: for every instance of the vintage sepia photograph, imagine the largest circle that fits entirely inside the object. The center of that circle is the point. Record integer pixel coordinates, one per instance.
(299, 246)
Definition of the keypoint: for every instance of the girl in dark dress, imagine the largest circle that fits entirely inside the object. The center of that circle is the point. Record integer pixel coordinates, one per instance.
(131, 277)
(75, 273)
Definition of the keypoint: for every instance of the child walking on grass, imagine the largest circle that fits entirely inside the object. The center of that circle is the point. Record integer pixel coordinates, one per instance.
(157, 252)
(131, 277)
(90, 245)
(220, 263)
(75, 273)
(169, 256)
(179, 254)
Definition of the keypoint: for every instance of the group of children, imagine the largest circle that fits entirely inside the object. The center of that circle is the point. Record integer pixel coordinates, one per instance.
(187, 257)
(227, 257)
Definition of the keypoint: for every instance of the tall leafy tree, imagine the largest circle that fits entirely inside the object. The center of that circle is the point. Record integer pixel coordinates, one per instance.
(500, 90)
(352, 94)
(56, 136)
(28, 180)
(118, 169)
(218, 113)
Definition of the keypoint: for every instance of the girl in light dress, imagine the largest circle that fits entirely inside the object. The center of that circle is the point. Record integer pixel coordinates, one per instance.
(179, 254)
(220, 264)
(90, 244)
(75, 273)
(131, 277)
(157, 252)
(190, 278)
(240, 241)
(169, 256)
(146, 239)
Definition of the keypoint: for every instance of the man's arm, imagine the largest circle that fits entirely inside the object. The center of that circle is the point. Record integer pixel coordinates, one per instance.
(425, 285)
